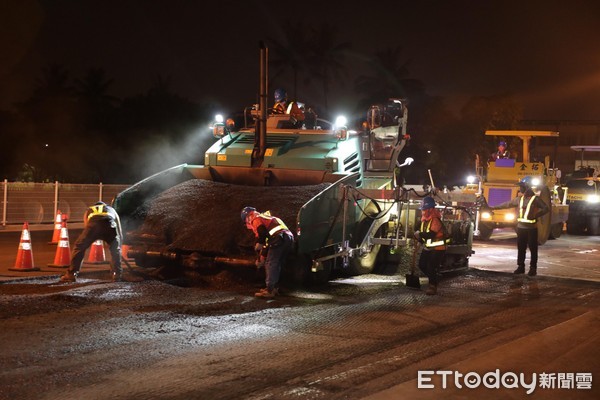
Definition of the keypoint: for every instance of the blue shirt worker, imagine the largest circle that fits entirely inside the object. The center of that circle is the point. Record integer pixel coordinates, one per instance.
(501, 153)
(101, 223)
(273, 238)
(529, 208)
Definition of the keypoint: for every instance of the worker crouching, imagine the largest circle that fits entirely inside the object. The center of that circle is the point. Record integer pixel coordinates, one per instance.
(432, 236)
(101, 223)
(273, 238)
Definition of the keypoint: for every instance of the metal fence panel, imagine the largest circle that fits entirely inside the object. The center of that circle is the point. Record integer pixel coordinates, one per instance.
(29, 202)
(37, 203)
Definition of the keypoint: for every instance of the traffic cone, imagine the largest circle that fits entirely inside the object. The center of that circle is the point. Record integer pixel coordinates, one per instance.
(124, 250)
(97, 254)
(62, 258)
(57, 228)
(25, 253)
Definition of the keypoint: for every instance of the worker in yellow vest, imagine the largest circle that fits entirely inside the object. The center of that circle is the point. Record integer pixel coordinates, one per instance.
(101, 223)
(529, 208)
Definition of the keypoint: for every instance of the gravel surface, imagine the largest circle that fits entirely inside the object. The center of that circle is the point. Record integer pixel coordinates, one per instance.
(204, 215)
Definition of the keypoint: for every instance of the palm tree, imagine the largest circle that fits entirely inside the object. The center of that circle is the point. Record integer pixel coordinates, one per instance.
(327, 60)
(390, 79)
(93, 88)
(92, 92)
(54, 82)
(291, 52)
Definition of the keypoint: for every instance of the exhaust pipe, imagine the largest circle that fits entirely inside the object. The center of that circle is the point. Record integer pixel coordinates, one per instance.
(260, 138)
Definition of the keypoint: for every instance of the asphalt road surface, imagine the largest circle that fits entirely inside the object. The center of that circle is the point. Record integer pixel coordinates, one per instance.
(366, 337)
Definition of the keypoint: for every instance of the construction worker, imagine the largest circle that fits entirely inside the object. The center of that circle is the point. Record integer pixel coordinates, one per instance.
(432, 236)
(101, 223)
(529, 208)
(273, 238)
(282, 106)
(501, 153)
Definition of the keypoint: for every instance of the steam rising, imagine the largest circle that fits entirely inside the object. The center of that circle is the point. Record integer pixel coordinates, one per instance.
(160, 151)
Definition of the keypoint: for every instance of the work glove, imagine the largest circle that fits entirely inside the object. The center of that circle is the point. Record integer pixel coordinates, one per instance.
(417, 235)
(260, 262)
(258, 247)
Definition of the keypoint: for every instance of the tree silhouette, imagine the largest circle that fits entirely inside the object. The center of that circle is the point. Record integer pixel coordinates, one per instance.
(92, 92)
(390, 79)
(310, 53)
(327, 58)
(292, 52)
(93, 89)
(54, 82)
(54, 123)
(481, 113)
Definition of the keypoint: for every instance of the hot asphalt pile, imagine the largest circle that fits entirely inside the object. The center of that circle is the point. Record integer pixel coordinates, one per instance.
(204, 215)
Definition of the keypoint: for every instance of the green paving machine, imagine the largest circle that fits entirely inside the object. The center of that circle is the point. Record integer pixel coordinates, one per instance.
(357, 214)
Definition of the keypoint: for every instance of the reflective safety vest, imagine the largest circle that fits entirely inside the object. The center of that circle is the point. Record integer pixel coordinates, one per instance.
(278, 228)
(273, 225)
(289, 107)
(97, 211)
(438, 241)
(523, 215)
(279, 109)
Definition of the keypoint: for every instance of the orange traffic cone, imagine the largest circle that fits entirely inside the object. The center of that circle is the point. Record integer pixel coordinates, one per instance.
(97, 255)
(124, 250)
(25, 253)
(62, 258)
(57, 228)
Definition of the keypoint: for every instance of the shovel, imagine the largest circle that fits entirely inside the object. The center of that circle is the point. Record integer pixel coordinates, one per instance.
(412, 280)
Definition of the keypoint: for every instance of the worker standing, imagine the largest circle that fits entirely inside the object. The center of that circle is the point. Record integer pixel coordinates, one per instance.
(101, 223)
(432, 235)
(529, 208)
(274, 238)
(501, 153)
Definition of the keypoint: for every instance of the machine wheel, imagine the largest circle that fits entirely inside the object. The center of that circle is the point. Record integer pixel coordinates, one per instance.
(366, 263)
(556, 230)
(485, 232)
(301, 273)
(594, 226)
(543, 223)
(574, 228)
(454, 262)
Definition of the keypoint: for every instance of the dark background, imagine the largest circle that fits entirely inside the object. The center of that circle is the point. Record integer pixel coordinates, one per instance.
(169, 65)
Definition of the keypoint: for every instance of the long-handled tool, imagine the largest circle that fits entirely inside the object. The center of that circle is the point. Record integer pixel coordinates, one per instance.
(412, 280)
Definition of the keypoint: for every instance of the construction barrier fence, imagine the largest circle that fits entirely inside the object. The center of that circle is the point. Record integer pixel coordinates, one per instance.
(38, 203)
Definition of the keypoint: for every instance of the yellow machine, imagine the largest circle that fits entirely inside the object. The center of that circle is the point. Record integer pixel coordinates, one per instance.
(499, 185)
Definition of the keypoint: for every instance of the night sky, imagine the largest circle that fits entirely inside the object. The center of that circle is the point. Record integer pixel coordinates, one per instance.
(546, 53)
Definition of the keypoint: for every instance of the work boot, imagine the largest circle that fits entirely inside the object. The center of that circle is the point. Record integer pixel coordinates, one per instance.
(266, 293)
(532, 271)
(431, 290)
(117, 277)
(520, 270)
(69, 277)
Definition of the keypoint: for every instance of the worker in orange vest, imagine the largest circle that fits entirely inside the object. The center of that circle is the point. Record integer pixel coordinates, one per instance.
(432, 236)
(273, 241)
(283, 106)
